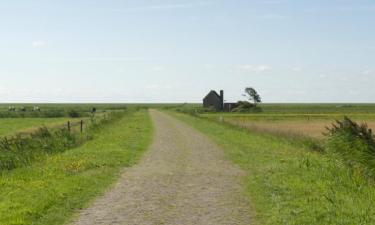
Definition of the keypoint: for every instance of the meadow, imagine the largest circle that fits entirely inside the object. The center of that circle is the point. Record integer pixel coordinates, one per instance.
(10, 126)
(289, 180)
(306, 120)
(309, 125)
(54, 172)
(51, 173)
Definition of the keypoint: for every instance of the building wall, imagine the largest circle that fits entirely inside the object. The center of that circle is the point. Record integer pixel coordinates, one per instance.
(229, 106)
(213, 100)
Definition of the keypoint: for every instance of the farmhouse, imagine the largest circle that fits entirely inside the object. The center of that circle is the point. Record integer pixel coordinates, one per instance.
(216, 101)
(229, 106)
(213, 100)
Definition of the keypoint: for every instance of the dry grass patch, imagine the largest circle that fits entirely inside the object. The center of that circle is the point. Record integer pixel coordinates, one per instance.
(314, 129)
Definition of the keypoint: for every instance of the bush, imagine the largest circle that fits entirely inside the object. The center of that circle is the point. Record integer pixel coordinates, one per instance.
(20, 150)
(74, 114)
(245, 106)
(354, 143)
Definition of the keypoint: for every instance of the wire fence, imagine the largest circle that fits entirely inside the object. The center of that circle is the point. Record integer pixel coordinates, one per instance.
(73, 125)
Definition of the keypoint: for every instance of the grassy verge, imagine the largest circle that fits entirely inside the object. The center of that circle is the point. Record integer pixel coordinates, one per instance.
(49, 192)
(288, 184)
(12, 125)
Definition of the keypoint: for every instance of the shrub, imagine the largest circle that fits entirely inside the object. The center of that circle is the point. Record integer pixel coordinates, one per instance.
(193, 111)
(74, 114)
(354, 143)
(51, 113)
(20, 150)
(245, 106)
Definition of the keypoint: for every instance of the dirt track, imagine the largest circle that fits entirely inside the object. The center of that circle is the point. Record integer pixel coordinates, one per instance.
(182, 180)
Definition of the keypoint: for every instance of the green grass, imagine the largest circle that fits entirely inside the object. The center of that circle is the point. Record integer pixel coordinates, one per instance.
(79, 106)
(12, 125)
(296, 108)
(292, 117)
(319, 108)
(288, 184)
(49, 192)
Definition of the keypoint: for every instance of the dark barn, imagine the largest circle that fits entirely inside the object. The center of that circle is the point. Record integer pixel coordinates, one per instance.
(214, 100)
(229, 106)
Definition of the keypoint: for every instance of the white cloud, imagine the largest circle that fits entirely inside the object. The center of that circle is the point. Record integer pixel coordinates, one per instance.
(357, 8)
(343, 9)
(343, 78)
(158, 86)
(101, 59)
(271, 2)
(255, 68)
(209, 66)
(164, 7)
(272, 16)
(296, 69)
(158, 68)
(367, 72)
(38, 44)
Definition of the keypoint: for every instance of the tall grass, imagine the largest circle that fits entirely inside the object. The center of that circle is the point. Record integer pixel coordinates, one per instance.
(20, 150)
(292, 137)
(354, 143)
(288, 184)
(50, 191)
(57, 110)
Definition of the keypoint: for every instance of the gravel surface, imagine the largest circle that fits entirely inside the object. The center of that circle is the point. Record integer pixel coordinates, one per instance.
(182, 180)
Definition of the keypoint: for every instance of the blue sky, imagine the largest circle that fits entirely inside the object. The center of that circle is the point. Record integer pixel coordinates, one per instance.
(176, 51)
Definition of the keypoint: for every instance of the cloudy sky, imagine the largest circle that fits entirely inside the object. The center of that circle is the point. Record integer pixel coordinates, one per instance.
(178, 50)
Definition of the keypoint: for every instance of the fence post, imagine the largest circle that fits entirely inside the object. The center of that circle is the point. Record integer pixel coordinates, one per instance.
(69, 126)
(81, 126)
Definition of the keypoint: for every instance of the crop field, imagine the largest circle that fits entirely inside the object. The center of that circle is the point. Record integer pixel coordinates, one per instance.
(294, 124)
(73, 161)
(10, 126)
(285, 179)
(288, 181)
(308, 120)
(25, 120)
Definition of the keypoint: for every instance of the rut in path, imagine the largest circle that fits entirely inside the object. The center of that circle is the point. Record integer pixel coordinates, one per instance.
(182, 180)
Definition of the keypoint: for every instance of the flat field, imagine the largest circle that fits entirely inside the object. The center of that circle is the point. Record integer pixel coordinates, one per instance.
(289, 183)
(298, 119)
(286, 182)
(50, 189)
(10, 126)
(50, 115)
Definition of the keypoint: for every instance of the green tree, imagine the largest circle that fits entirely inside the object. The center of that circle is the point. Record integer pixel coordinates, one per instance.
(252, 95)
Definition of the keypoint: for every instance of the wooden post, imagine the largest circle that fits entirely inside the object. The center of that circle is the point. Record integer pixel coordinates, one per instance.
(69, 126)
(81, 126)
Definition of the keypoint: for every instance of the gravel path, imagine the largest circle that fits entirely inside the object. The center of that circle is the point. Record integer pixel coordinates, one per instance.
(182, 180)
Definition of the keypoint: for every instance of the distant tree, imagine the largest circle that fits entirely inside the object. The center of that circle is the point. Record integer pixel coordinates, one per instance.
(74, 114)
(252, 95)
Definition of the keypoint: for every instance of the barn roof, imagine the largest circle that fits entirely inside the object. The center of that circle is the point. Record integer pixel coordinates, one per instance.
(212, 92)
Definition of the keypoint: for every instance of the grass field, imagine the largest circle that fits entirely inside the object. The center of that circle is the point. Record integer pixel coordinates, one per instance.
(289, 184)
(12, 125)
(303, 125)
(286, 182)
(79, 107)
(318, 108)
(308, 120)
(50, 191)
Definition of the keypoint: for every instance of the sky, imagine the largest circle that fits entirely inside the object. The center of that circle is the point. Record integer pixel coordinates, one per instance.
(177, 51)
